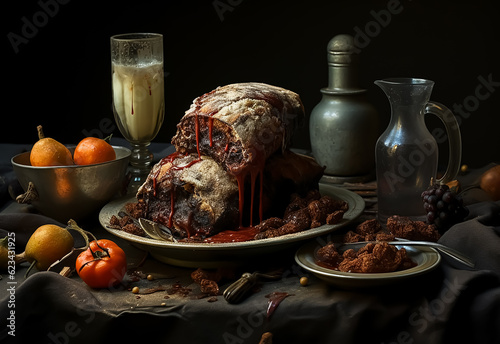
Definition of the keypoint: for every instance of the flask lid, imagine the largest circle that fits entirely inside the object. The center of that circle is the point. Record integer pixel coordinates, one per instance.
(343, 61)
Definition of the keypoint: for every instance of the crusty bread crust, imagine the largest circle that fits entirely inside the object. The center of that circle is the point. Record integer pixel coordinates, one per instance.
(239, 124)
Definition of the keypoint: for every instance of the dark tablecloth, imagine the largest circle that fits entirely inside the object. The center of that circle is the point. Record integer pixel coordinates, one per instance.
(449, 304)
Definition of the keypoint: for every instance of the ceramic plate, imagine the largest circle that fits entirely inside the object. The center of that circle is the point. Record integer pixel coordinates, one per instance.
(217, 254)
(426, 258)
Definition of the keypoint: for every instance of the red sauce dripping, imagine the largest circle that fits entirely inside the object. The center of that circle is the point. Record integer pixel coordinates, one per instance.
(261, 196)
(253, 176)
(172, 207)
(252, 194)
(210, 127)
(132, 99)
(170, 159)
(241, 194)
(197, 129)
(254, 170)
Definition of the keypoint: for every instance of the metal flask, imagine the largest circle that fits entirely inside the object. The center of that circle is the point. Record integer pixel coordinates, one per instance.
(343, 126)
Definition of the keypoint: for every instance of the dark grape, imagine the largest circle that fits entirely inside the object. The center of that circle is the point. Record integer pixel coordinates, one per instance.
(432, 199)
(447, 197)
(443, 206)
(439, 192)
(440, 204)
(431, 216)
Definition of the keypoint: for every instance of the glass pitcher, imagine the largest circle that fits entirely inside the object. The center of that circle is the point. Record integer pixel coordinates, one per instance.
(406, 154)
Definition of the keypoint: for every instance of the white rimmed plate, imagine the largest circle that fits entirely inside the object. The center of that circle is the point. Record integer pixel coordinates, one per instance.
(217, 254)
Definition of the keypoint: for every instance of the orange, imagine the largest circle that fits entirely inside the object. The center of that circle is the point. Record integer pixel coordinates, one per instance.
(93, 150)
(49, 152)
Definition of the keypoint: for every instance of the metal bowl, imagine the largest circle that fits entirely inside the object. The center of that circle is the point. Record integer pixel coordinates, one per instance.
(71, 192)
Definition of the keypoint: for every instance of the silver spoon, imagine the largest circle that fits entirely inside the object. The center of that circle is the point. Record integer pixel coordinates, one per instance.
(452, 253)
(155, 231)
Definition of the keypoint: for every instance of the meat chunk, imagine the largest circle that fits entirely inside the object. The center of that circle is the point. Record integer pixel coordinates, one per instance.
(375, 258)
(335, 217)
(328, 255)
(271, 223)
(368, 227)
(404, 227)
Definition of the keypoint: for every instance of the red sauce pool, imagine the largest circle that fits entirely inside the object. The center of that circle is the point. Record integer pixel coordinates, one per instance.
(239, 235)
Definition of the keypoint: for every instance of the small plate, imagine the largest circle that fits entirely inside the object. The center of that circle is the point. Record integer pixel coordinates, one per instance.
(207, 255)
(426, 258)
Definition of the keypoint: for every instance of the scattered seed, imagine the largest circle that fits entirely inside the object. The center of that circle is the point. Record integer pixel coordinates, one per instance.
(135, 290)
(150, 277)
(304, 281)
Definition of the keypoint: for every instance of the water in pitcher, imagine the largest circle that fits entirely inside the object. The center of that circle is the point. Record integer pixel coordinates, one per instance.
(403, 172)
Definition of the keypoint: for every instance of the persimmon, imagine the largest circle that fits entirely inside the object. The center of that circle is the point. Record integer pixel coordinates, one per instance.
(490, 182)
(93, 150)
(49, 152)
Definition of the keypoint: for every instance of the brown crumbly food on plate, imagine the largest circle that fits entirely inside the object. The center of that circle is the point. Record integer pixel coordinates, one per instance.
(126, 224)
(369, 230)
(270, 223)
(304, 213)
(371, 258)
(329, 255)
(403, 227)
(368, 227)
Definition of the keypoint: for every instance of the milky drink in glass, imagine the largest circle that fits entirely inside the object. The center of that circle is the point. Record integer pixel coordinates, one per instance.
(138, 99)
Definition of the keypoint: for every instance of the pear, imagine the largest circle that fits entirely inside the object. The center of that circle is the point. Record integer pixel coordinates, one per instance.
(48, 244)
(49, 152)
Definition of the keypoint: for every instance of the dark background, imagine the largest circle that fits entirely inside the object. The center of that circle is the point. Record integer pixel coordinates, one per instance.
(58, 69)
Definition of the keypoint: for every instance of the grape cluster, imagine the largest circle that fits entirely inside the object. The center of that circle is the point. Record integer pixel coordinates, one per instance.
(444, 207)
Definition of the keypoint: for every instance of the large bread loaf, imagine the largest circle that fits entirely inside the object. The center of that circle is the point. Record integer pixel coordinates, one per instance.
(239, 125)
(231, 167)
(196, 197)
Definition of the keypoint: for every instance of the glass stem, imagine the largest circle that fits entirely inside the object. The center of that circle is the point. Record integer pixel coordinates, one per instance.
(140, 165)
(141, 158)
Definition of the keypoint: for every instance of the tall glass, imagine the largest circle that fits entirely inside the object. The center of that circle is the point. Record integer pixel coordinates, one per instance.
(138, 95)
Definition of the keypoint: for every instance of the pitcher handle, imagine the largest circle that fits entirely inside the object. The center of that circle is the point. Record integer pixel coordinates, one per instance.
(454, 139)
